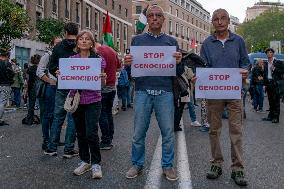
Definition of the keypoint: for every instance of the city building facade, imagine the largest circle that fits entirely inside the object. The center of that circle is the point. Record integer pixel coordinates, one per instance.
(260, 7)
(88, 14)
(186, 20)
(234, 23)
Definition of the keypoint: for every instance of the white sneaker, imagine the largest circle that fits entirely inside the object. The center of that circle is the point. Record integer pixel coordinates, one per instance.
(97, 171)
(196, 124)
(83, 168)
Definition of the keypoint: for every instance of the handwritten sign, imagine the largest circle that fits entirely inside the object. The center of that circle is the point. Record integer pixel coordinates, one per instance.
(218, 83)
(79, 73)
(153, 61)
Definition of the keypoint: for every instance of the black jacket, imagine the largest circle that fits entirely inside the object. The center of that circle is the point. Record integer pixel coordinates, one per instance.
(65, 49)
(257, 72)
(6, 73)
(277, 74)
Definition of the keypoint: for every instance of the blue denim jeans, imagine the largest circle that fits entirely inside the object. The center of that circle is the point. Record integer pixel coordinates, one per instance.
(191, 110)
(163, 106)
(106, 119)
(17, 96)
(48, 109)
(58, 120)
(123, 94)
(258, 97)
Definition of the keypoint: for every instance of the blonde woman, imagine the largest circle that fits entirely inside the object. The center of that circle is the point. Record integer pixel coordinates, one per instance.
(88, 112)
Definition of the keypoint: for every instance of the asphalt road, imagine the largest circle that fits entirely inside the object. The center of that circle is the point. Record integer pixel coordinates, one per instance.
(24, 166)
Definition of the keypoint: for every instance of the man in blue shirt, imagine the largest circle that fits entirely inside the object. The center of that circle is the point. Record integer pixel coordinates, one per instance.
(154, 93)
(224, 49)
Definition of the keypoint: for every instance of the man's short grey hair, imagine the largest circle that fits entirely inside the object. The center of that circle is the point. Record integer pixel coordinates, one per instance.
(155, 6)
(221, 10)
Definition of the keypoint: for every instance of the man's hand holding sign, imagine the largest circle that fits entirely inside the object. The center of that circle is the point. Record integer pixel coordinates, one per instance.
(219, 83)
(153, 60)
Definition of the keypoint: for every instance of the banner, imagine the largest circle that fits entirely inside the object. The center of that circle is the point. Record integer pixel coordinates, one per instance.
(153, 61)
(218, 83)
(80, 73)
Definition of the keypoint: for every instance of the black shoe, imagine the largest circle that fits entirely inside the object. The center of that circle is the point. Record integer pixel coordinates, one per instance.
(61, 144)
(215, 172)
(129, 106)
(239, 178)
(44, 145)
(275, 121)
(50, 152)
(177, 129)
(105, 146)
(70, 154)
(266, 119)
(123, 108)
(3, 123)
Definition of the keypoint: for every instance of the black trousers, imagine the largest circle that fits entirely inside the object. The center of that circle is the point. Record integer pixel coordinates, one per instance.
(273, 95)
(86, 120)
(178, 113)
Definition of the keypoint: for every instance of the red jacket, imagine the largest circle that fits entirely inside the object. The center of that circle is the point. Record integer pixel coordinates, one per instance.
(112, 63)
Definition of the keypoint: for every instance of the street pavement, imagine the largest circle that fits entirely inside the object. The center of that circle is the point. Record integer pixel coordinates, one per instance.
(24, 166)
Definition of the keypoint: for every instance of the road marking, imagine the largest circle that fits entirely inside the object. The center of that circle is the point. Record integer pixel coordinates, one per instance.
(184, 181)
(154, 176)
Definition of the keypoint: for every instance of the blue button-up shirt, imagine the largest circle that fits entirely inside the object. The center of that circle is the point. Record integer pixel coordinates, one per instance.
(231, 54)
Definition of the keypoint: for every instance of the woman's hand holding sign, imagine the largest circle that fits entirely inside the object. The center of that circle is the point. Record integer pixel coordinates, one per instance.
(103, 77)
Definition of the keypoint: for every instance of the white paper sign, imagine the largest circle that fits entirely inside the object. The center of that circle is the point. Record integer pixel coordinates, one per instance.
(80, 73)
(218, 83)
(153, 61)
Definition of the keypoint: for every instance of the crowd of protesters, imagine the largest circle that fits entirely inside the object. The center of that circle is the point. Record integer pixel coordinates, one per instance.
(146, 94)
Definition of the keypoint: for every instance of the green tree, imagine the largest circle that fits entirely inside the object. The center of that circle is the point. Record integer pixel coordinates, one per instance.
(14, 21)
(258, 33)
(49, 28)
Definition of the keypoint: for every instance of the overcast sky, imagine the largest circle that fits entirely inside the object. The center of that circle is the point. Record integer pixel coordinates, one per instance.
(234, 7)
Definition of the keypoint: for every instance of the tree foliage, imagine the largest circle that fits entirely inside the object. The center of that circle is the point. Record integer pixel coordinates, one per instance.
(258, 33)
(49, 28)
(14, 21)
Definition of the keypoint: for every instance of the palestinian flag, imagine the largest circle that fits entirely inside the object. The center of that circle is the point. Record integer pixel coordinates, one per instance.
(142, 22)
(107, 33)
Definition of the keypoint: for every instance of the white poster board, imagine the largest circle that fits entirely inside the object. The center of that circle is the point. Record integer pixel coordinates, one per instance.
(153, 61)
(80, 73)
(218, 83)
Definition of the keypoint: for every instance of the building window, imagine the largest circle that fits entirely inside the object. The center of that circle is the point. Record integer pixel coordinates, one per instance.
(38, 15)
(67, 9)
(118, 45)
(112, 26)
(171, 10)
(187, 33)
(177, 30)
(125, 33)
(88, 17)
(112, 4)
(78, 13)
(118, 30)
(106, 2)
(183, 16)
(54, 6)
(170, 27)
(182, 31)
(97, 20)
(126, 12)
(192, 20)
(40, 3)
(138, 9)
(119, 9)
(176, 13)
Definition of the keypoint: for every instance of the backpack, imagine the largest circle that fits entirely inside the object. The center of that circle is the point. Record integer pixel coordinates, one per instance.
(9, 73)
(123, 78)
